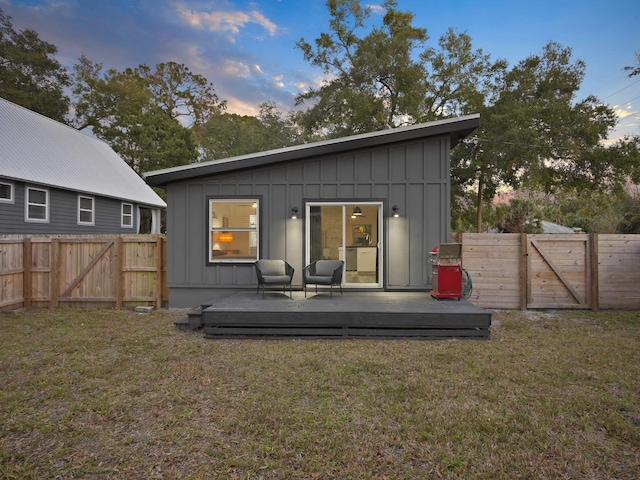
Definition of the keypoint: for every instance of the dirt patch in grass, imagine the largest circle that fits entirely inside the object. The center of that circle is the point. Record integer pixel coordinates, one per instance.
(115, 394)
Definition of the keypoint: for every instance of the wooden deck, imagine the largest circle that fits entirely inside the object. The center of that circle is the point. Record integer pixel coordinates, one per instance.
(352, 315)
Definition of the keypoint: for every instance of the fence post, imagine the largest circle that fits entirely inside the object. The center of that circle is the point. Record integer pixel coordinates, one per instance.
(159, 282)
(119, 287)
(27, 260)
(524, 277)
(54, 273)
(595, 282)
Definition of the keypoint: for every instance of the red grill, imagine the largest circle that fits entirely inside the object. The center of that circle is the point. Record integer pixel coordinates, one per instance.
(446, 271)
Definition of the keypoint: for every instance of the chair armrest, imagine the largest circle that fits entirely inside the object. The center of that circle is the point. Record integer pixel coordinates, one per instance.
(258, 273)
(337, 274)
(309, 270)
(289, 269)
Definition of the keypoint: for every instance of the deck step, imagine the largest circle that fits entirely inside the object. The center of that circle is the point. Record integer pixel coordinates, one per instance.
(193, 320)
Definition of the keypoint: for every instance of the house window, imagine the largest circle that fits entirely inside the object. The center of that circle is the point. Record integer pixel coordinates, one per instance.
(233, 230)
(127, 215)
(6, 192)
(37, 205)
(85, 210)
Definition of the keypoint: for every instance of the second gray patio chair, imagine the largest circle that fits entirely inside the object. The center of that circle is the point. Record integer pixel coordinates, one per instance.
(323, 272)
(274, 272)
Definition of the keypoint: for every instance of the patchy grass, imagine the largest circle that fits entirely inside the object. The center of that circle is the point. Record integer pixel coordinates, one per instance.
(109, 394)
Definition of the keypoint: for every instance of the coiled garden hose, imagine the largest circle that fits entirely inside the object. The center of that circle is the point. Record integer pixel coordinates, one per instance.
(467, 285)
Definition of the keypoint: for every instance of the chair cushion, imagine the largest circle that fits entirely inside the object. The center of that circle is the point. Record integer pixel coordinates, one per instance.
(276, 279)
(325, 268)
(272, 267)
(319, 280)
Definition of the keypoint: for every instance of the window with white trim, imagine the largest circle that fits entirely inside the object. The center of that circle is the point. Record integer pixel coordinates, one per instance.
(127, 215)
(233, 230)
(6, 192)
(85, 210)
(37, 205)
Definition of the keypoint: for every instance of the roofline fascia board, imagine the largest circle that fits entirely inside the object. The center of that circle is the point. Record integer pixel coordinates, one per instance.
(27, 181)
(464, 125)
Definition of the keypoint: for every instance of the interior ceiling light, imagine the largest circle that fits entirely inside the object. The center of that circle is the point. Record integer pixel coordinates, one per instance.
(357, 212)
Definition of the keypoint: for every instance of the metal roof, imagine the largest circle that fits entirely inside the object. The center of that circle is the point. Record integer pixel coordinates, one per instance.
(36, 149)
(550, 227)
(457, 128)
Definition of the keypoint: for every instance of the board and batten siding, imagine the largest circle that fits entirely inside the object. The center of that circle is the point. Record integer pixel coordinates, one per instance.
(413, 175)
(63, 214)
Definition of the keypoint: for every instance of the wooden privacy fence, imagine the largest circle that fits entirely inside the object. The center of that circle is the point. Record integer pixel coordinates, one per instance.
(511, 271)
(563, 271)
(79, 271)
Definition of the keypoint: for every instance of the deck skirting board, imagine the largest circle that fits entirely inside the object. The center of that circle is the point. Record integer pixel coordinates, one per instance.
(353, 315)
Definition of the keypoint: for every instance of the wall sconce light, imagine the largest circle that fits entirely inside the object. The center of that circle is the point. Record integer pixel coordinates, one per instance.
(396, 211)
(294, 213)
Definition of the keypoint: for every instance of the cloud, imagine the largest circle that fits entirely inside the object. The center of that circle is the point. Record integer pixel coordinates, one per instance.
(225, 21)
(623, 112)
(278, 81)
(236, 68)
(379, 9)
(240, 107)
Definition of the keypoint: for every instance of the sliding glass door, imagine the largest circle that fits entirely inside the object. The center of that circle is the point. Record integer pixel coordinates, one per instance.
(351, 232)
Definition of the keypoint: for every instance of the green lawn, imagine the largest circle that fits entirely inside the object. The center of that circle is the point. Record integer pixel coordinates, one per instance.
(109, 394)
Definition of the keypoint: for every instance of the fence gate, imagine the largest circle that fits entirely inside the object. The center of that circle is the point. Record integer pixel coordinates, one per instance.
(559, 271)
(84, 270)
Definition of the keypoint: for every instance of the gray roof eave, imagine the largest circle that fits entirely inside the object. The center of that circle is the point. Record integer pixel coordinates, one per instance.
(458, 128)
(155, 204)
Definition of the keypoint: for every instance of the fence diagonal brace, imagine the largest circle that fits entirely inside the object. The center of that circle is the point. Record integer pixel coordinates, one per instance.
(558, 272)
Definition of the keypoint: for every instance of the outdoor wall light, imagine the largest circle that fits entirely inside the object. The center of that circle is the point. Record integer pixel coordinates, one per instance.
(396, 211)
(294, 213)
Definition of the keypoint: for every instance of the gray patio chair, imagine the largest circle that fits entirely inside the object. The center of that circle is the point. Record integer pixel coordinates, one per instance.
(323, 272)
(274, 272)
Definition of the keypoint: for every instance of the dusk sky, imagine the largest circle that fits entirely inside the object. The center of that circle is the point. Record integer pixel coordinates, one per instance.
(247, 48)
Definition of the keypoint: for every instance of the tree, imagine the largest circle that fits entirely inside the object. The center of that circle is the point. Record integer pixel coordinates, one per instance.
(278, 131)
(122, 109)
(634, 70)
(459, 80)
(171, 87)
(388, 77)
(150, 140)
(181, 93)
(29, 74)
(536, 136)
(228, 135)
(520, 216)
(374, 82)
(630, 216)
(103, 96)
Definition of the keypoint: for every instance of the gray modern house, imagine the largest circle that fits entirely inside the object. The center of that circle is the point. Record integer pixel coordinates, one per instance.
(57, 180)
(377, 201)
